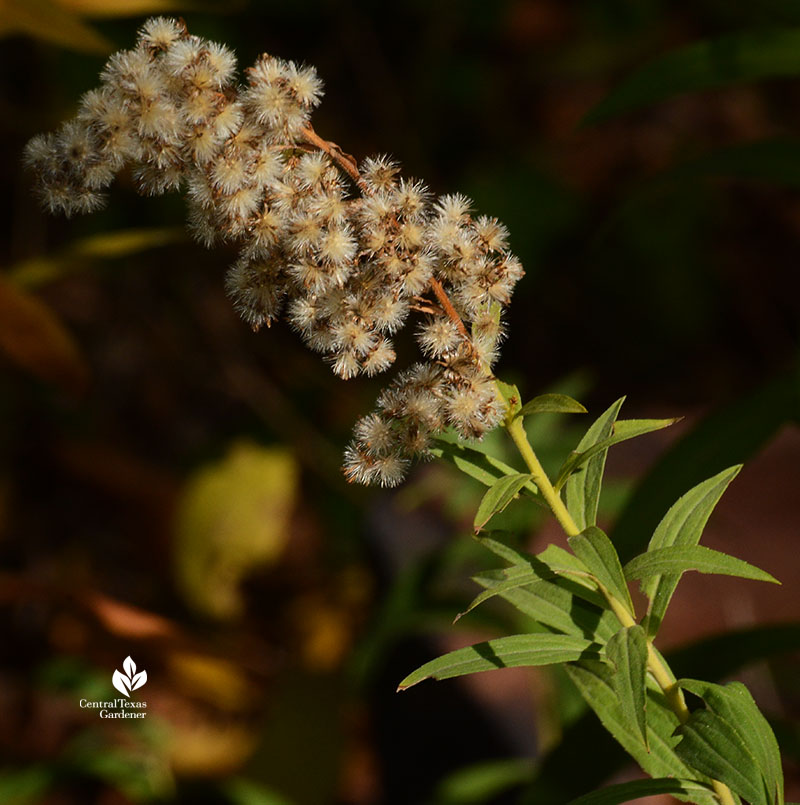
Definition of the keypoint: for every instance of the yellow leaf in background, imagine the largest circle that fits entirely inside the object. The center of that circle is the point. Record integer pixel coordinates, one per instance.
(209, 748)
(33, 337)
(233, 517)
(50, 21)
(211, 679)
(123, 8)
(37, 271)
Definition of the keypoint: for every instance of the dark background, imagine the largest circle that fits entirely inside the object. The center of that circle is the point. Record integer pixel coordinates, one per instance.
(660, 250)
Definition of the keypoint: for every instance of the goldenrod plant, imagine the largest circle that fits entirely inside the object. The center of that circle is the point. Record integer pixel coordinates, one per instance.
(348, 252)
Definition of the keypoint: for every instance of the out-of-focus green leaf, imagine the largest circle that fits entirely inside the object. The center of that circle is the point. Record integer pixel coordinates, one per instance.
(25, 786)
(728, 59)
(775, 161)
(482, 782)
(596, 683)
(233, 516)
(734, 704)
(52, 22)
(504, 652)
(498, 496)
(622, 431)
(723, 654)
(678, 559)
(637, 789)
(240, 791)
(551, 404)
(583, 489)
(682, 525)
(33, 337)
(627, 649)
(729, 435)
(597, 552)
(38, 271)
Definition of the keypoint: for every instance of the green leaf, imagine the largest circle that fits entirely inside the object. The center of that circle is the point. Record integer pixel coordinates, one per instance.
(712, 746)
(680, 558)
(555, 607)
(622, 431)
(682, 525)
(513, 577)
(43, 269)
(719, 656)
(734, 704)
(554, 564)
(498, 496)
(728, 59)
(504, 652)
(598, 553)
(595, 681)
(637, 789)
(583, 489)
(729, 435)
(477, 464)
(482, 782)
(551, 404)
(527, 570)
(627, 649)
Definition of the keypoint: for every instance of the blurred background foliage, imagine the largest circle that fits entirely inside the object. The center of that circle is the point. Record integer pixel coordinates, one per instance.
(169, 481)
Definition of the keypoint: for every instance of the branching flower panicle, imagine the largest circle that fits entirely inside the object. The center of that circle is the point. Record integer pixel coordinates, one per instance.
(344, 252)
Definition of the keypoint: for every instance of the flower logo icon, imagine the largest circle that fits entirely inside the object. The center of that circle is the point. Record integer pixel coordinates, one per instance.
(130, 680)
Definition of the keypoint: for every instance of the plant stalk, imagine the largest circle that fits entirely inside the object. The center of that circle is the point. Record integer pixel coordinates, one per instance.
(655, 664)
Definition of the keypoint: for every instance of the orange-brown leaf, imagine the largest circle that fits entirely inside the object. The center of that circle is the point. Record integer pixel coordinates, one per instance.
(34, 338)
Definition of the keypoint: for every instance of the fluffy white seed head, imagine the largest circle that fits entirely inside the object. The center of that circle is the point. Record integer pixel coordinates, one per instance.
(346, 261)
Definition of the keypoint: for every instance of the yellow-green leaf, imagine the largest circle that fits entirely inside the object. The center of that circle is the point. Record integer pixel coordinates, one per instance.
(51, 22)
(234, 516)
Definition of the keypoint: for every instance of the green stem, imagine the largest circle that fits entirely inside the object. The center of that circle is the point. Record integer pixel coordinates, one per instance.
(553, 499)
(655, 664)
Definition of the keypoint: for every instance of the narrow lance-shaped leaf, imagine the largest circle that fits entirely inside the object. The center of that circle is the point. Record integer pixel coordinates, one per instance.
(551, 565)
(627, 649)
(597, 552)
(734, 704)
(711, 745)
(678, 559)
(498, 496)
(477, 464)
(702, 65)
(583, 489)
(555, 607)
(623, 430)
(505, 652)
(595, 682)
(683, 524)
(637, 789)
(551, 404)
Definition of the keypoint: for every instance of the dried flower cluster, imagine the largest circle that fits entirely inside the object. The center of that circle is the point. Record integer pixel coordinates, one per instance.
(345, 251)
